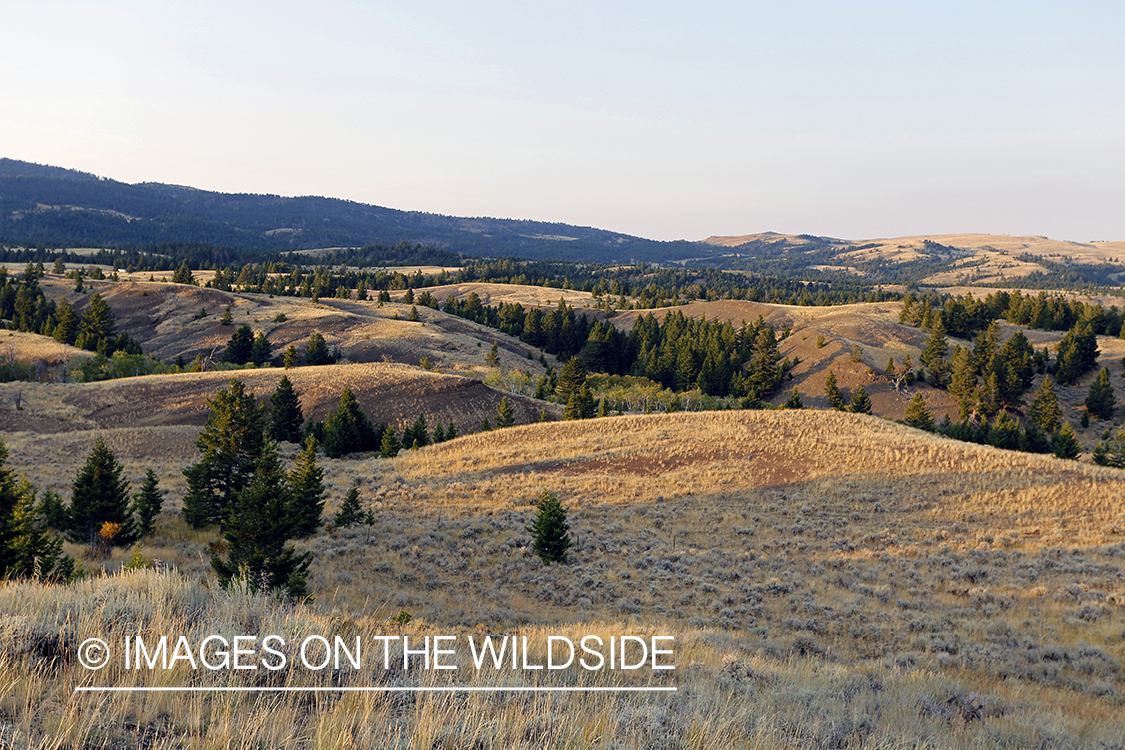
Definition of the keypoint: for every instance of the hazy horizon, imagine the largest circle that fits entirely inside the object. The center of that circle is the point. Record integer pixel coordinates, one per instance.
(855, 120)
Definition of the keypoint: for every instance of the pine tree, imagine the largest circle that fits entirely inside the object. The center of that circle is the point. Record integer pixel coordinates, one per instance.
(227, 318)
(182, 275)
(54, 513)
(10, 498)
(348, 429)
(417, 434)
(963, 382)
(1065, 444)
(229, 446)
(1045, 409)
(550, 531)
(307, 499)
(1101, 402)
(240, 346)
(97, 326)
(351, 512)
(66, 323)
(795, 401)
(389, 447)
(100, 495)
(763, 370)
(261, 353)
(257, 532)
(917, 415)
(990, 396)
(505, 416)
(316, 351)
(33, 553)
(286, 419)
(861, 402)
(450, 431)
(439, 433)
(1004, 432)
(832, 392)
(290, 358)
(571, 378)
(147, 504)
(1111, 452)
(933, 355)
(984, 347)
(581, 404)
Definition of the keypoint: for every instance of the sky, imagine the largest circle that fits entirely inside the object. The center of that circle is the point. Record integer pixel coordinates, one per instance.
(667, 120)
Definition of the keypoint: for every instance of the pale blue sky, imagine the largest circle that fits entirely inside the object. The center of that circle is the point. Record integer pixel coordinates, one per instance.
(665, 120)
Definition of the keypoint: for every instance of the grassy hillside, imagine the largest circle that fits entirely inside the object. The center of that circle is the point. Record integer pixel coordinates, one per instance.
(832, 580)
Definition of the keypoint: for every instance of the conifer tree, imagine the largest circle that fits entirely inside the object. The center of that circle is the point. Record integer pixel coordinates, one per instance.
(286, 421)
(1100, 402)
(450, 431)
(32, 553)
(316, 351)
(1065, 443)
(439, 433)
(417, 434)
(227, 318)
(832, 392)
(97, 326)
(10, 498)
(290, 358)
(1077, 353)
(261, 352)
(763, 371)
(795, 401)
(505, 415)
(1045, 409)
(917, 415)
(54, 513)
(990, 397)
(861, 402)
(572, 377)
(100, 495)
(934, 355)
(1111, 452)
(351, 512)
(66, 323)
(240, 346)
(182, 275)
(348, 429)
(550, 531)
(389, 447)
(257, 532)
(581, 404)
(1034, 439)
(307, 499)
(985, 346)
(229, 446)
(1004, 432)
(963, 382)
(147, 503)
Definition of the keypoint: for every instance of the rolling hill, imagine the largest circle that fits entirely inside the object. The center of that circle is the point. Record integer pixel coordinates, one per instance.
(67, 208)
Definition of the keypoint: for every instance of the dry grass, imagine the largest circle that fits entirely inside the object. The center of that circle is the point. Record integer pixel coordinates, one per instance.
(728, 695)
(832, 580)
(31, 347)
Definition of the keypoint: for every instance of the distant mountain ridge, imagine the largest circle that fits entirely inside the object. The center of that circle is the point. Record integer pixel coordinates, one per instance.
(42, 204)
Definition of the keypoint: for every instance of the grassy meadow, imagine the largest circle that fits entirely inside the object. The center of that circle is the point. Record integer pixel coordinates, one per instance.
(832, 581)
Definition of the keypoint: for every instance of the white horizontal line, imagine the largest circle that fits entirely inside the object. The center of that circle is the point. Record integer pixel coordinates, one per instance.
(228, 689)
